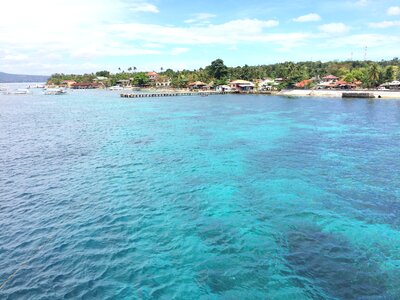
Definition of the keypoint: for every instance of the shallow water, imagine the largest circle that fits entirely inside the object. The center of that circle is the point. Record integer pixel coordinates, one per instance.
(219, 197)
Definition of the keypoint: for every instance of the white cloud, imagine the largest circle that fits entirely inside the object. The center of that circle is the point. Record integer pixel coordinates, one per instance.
(308, 18)
(200, 18)
(144, 7)
(384, 24)
(334, 28)
(15, 57)
(362, 40)
(177, 51)
(105, 50)
(213, 34)
(393, 11)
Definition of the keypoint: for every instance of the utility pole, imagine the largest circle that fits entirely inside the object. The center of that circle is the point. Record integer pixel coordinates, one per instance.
(365, 53)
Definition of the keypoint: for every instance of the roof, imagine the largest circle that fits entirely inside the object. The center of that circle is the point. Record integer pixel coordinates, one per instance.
(303, 83)
(86, 84)
(152, 74)
(197, 83)
(246, 84)
(330, 77)
(241, 82)
(268, 80)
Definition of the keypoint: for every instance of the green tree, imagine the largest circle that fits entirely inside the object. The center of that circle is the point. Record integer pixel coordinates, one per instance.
(103, 73)
(217, 69)
(390, 74)
(374, 75)
(140, 79)
(349, 77)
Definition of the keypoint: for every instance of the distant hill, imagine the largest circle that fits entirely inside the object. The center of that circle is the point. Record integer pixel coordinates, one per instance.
(8, 78)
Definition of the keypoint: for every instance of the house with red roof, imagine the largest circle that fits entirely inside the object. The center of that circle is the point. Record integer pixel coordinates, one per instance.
(152, 75)
(68, 83)
(303, 84)
(86, 85)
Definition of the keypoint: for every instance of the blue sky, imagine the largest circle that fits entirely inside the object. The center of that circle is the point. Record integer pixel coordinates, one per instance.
(46, 36)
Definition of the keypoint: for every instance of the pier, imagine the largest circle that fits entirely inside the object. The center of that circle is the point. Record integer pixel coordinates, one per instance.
(169, 94)
(358, 95)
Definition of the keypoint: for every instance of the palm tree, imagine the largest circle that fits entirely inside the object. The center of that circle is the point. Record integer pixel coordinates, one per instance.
(374, 75)
(162, 69)
(130, 69)
(134, 69)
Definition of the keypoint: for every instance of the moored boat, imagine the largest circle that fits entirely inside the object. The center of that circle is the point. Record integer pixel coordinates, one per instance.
(116, 88)
(55, 91)
(19, 92)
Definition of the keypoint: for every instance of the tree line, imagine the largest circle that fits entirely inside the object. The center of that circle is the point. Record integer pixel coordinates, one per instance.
(370, 73)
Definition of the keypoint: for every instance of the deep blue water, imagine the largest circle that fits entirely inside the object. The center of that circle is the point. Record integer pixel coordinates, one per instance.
(220, 197)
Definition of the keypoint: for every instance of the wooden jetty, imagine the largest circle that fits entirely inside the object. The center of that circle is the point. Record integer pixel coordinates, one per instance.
(357, 95)
(169, 94)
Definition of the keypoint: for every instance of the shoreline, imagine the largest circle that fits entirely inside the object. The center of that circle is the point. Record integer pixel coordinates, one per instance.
(337, 94)
(287, 93)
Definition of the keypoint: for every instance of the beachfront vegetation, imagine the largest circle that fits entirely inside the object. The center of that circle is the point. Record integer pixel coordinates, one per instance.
(370, 73)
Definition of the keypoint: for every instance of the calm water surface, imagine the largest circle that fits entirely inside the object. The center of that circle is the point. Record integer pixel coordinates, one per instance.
(220, 197)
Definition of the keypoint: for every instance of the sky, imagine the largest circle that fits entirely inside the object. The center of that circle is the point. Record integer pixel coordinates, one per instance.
(79, 36)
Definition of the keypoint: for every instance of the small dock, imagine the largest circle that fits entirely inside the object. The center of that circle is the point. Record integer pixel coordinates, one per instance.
(169, 94)
(358, 95)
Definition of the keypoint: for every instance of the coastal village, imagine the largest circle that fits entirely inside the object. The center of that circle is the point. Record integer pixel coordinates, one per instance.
(289, 77)
(156, 81)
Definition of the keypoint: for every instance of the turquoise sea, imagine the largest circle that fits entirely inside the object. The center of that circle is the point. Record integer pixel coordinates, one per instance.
(219, 197)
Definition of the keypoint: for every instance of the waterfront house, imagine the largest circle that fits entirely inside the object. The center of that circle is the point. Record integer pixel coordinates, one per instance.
(329, 78)
(123, 82)
(394, 85)
(68, 83)
(223, 88)
(242, 85)
(340, 84)
(303, 84)
(267, 84)
(198, 85)
(100, 78)
(85, 85)
(162, 81)
(152, 76)
(328, 82)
